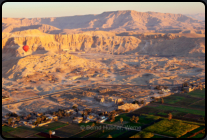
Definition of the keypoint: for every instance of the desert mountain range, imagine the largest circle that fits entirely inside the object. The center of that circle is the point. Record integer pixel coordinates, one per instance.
(117, 47)
(114, 32)
(128, 20)
(199, 16)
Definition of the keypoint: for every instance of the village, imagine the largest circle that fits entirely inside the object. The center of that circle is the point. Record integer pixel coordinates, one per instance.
(75, 114)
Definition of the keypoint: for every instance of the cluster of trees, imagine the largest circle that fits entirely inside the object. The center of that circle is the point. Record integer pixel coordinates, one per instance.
(75, 107)
(160, 92)
(162, 100)
(165, 87)
(86, 112)
(29, 116)
(137, 102)
(111, 116)
(11, 121)
(158, 87)
(60, 113)
(41, 119)
(185, 84)
(11, 114)
(136, 119)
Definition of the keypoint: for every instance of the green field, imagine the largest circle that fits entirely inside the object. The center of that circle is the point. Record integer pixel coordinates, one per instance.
(161, 113)
(54, 125)
(198, 129)
(39, 136)
(128, 134)
(186, 135)
(185, 110)
(172, 128)
(192, 132)
(7, 135)
(145, 110)
(200, 135)
(86, 124)
(130, 124)
(114, 133)
(197, 93)
(118, 133)
(19, 132)
(200, 104)
(173, 99)
(152, 117)
(68, 130)
(156, 136)
(7, 129)
(82, 134)
(100, 134)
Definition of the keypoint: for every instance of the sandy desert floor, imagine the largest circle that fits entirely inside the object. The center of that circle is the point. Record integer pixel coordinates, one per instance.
(50, 72)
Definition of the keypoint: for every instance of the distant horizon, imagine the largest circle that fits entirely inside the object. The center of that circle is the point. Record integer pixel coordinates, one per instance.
(103, 12)
(64, 9)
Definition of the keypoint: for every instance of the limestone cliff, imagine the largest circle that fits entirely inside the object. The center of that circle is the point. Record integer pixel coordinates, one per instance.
(101, 41)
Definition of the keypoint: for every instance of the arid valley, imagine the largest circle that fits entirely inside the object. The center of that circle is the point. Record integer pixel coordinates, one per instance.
(99, 62)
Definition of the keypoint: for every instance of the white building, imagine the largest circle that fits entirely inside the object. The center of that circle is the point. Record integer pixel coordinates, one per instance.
(53, 132)
(102, 119)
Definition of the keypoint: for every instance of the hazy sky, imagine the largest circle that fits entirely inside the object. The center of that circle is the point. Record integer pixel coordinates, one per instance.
(57, 9)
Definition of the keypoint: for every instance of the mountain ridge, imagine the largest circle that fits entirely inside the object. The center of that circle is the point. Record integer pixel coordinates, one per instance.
(122, 20)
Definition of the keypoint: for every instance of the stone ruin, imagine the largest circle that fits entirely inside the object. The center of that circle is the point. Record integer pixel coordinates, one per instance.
(116, 100)
(128, 106)
(88, 94)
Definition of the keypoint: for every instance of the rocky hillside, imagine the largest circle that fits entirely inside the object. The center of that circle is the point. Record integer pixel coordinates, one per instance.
(107, 21)
(101, 41)
(171, 34)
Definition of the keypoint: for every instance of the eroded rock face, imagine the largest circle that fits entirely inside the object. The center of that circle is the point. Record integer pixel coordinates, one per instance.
(84, 42)
(99, 41)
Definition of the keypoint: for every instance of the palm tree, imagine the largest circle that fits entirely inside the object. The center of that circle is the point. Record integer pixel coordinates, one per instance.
(38, 120)
(29, 115)
(162, 100)
(121, 120)
(50, 133)
(169, 116)
(133, 117)
(9, 121)
(136, 119)
(54, 113)
(18, 118)
(109, 136)
(93, 124)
